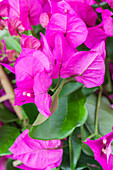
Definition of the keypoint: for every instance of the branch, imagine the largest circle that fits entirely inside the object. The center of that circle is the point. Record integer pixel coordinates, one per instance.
(9, 92)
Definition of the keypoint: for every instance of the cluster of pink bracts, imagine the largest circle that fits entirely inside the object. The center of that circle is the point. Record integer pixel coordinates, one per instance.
(68, 24)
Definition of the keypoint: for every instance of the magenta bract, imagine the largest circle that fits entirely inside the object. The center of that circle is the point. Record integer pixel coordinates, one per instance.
(29, 13)
(7, 56)
(84, 11)
(102, 150)
(37, 154)
(71, 25)
(42, 82)
(30, 42)
(95, 35)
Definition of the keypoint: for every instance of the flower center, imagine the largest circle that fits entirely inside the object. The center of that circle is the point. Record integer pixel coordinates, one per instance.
(26, 94)
(104, 149)
(65, 11)
(104, 141)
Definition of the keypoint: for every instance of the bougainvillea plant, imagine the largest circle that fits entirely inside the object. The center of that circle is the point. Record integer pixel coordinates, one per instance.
(56, 84)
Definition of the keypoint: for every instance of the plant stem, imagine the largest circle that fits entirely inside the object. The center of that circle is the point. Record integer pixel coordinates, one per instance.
(63, 83)
(9, 92)
(97, 111)
(91, 136)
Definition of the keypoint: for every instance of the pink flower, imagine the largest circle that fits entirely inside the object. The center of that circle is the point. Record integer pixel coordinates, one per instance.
(84, 10)
(4, 8)
(91, 2)
(24, 74)
(35, 69)
(107, 21)
(42, 82)
(66, 21)
(32, 68)
(84, 65)
(102, 150)
(14, 10)
(7, 56)
(44, 19)
(101, 48)
(13, 22)
(14, 26)
(29, 13)
(37, 154)
(30, 42)
(95, 36)
(12, 55)
(61, 54)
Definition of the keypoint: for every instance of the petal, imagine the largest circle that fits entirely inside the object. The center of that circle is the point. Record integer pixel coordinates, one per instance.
(76, 30)
(92, 64)
(43, 100)
(21, 99)
(70, 25)
(97, 146)
(56, 25)
(36, 153)
(84, 11)
(46, 49)
(100, 48)
(10, 68)
(95, 35)
(44, 19)
(62, 53)
(14, 26)
(30, 42)
(88, 78)
(37, 62)
(29, 13)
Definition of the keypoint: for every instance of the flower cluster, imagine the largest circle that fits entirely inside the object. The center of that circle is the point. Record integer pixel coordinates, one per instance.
(56, 54)
(68, 25)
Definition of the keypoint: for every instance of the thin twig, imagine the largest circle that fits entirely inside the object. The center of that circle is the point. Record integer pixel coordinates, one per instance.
(9, 91)
(6, 97)
(97, 110)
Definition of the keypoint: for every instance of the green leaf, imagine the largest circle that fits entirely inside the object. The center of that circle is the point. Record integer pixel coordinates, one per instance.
(69, 88)
(37, 28)
(8, 135)
(71, 113)
(82, 167)
(89, 162)
(4, 33)
(6, 116)
(30, 112)
(65, 161)
(75, 148)
(11, 43)
(82, 47)
(110, 47)
(89, 91)
(105, 115)
(84, 134)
